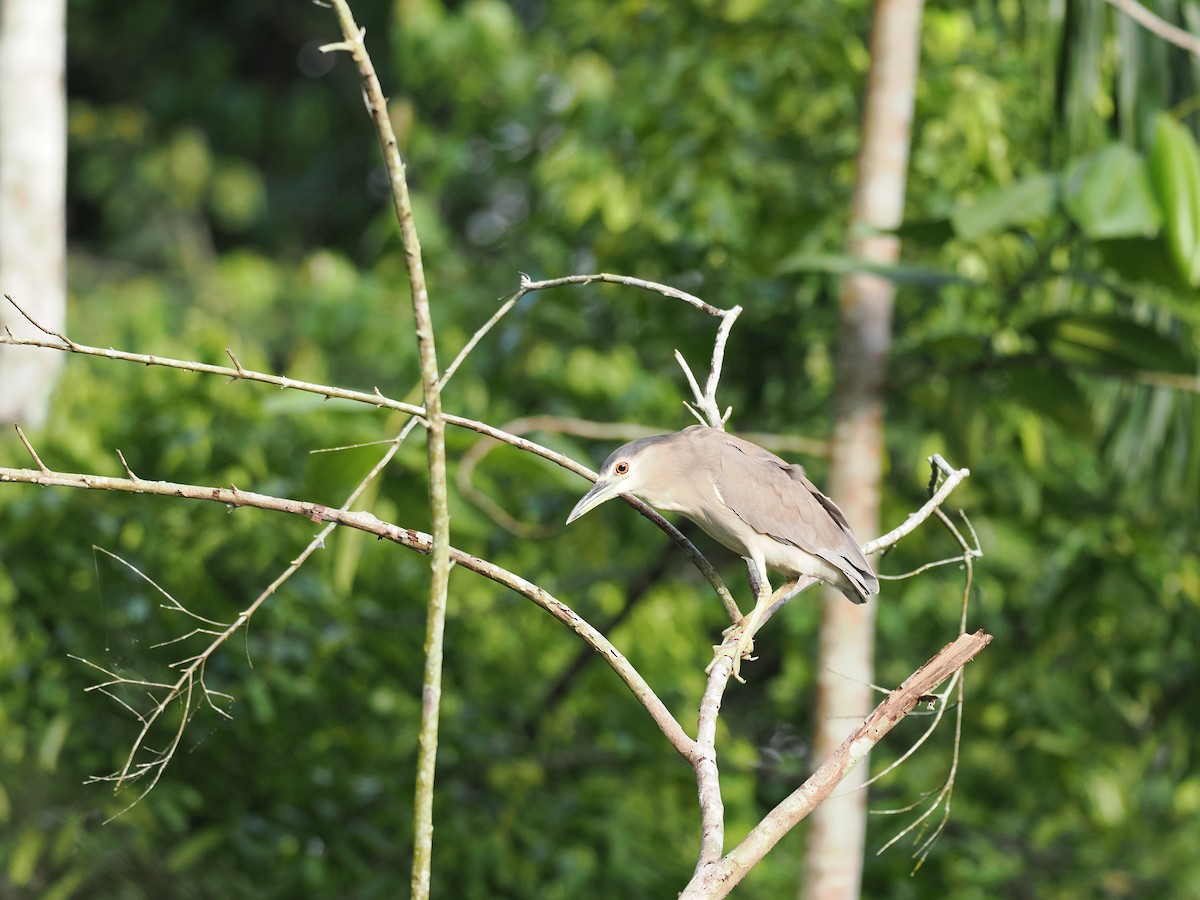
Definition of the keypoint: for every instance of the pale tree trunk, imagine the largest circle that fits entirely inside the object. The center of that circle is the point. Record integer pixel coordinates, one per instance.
(32, 197)
(834, 863)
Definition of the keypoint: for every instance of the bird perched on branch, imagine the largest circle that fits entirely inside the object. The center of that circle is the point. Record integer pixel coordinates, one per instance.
(747, 498)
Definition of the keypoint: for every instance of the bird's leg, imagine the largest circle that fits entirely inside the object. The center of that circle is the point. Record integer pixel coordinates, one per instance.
(745, 628)
(758, 584)
(758, 578)
(745, 643)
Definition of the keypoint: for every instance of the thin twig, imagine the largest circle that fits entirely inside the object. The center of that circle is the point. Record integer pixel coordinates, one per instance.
(701, 412)
(920, 570)
(29, 449)
(11, 339)
(439, 562)
(377, 399)
(666, 290)
(953, 477)
(172, 603)
(1172, 34)
(717, 879)
(415, 540)
(915, 745)
(236, 374)
(943, 795)
(718, 361)
(940, 468)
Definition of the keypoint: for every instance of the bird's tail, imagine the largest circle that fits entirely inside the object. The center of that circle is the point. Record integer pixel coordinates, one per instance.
(863, 585)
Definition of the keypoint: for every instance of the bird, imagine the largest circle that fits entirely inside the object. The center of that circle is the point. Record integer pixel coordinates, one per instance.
(748, 499)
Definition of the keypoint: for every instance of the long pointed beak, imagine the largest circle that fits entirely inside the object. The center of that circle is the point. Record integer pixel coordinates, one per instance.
(600, 492)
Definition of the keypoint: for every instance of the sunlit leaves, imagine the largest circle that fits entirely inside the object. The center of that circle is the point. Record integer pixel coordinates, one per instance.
(1109, 194)
(1019, 204)
(1175, 168)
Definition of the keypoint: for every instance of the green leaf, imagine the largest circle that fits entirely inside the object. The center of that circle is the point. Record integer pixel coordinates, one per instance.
(997, 210)
(1175, 170)
(1110, 343)
(1109, 194)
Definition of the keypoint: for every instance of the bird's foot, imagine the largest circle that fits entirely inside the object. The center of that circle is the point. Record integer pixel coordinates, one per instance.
(736, 653)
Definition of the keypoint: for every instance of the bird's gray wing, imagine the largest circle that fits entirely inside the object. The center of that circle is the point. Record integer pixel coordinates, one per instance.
(776, 499)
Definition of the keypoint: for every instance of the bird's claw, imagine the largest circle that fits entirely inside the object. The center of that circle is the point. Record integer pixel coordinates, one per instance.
(736, 654)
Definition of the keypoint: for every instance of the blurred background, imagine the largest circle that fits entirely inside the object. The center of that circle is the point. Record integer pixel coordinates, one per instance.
(225, 190)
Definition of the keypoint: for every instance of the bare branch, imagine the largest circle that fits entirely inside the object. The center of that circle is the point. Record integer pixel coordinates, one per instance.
(666, 290)
(701, 413)
(378, 400)
(66, 342)
(235, 374)
(701, 753)
(719, 878)
(29, 448)
(706, 409)
(698, 558)
(953, 477)
(1159, 26)
(171, 603)
(922, 569)
(415, 540)
(916, 745)
(125, 466)
(941, 798)
(718, 361)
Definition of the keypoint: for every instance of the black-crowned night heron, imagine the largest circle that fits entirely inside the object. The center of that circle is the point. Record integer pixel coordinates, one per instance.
(747, 498)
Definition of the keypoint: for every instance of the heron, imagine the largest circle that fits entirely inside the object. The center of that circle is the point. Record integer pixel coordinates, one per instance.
(743, 496)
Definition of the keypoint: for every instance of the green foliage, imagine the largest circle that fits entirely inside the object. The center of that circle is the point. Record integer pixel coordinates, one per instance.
(222, 194)
(1109, 195)
(1175, 166)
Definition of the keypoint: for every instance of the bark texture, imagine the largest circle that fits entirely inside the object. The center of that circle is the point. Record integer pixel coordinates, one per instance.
(32, 197)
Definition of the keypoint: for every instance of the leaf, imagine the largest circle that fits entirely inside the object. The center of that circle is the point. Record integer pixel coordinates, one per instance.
(997, 210)
(1175, 171)
(1110, 343)
(1109, 194)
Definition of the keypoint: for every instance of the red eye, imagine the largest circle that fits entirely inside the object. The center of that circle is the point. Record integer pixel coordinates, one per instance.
(621, 468)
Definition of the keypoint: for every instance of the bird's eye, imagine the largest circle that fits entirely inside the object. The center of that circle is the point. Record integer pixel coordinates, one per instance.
(621, 468)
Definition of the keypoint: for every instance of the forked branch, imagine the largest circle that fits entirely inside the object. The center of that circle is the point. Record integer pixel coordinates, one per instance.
(234, 498)
(717, 879)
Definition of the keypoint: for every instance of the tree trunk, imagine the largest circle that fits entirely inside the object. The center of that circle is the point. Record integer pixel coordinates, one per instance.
(32, 197)
(834, 863)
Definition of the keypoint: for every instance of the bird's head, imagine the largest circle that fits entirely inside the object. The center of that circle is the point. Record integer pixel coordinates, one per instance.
(639, 467)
